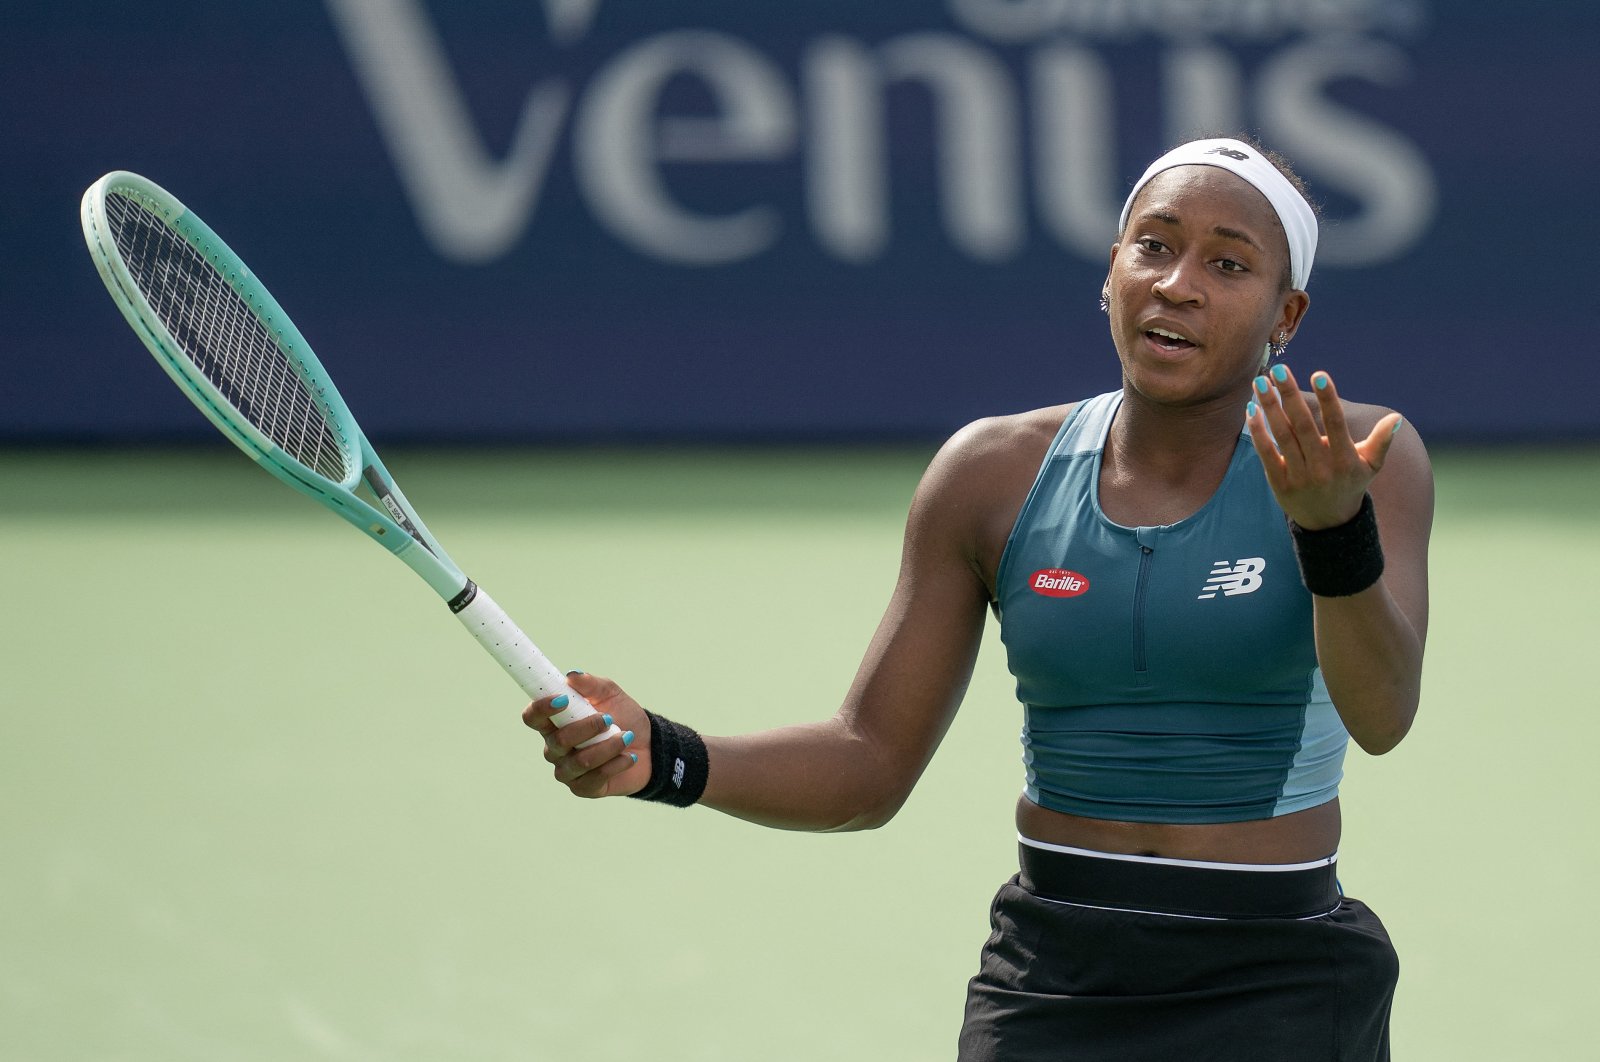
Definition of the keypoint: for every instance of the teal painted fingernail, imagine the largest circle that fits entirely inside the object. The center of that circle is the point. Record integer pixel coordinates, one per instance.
(1320, 381)
(559, 702)
(1280, 373)
(1261, 384)
(1397, 425)
(575, 671)
(627, 739)
(634, 756)
(1250, 409)
(606, 719)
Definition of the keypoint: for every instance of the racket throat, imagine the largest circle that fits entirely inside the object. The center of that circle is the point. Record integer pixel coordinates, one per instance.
(383, 490)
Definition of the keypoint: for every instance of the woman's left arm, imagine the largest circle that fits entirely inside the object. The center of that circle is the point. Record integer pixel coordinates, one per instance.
(1369, 643)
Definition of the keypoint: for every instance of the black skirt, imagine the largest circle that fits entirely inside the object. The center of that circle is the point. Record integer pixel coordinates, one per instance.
(1152, 961)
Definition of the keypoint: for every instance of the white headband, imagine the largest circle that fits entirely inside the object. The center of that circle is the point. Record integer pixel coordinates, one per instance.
(1299, 223)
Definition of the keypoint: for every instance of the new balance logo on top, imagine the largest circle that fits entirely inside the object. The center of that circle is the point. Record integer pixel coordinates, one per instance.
(1232, 579)
(678, 767)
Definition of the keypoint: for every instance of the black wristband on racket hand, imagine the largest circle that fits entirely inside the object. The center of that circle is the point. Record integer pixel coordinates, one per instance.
(678, 764)
(1340, 561)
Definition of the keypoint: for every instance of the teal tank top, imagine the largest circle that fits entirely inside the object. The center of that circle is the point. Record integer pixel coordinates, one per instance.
(1167, 674)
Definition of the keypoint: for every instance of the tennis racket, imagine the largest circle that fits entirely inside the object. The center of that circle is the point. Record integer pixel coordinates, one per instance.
(232, 350)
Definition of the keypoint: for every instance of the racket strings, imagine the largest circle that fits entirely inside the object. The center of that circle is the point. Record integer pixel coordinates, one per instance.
(224, 339)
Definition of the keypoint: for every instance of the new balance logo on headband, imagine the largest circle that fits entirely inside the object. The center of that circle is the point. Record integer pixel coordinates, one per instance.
(1243, 577)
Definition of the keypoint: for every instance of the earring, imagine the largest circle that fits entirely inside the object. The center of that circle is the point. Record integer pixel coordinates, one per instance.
(1276, 348)
(1105, 300)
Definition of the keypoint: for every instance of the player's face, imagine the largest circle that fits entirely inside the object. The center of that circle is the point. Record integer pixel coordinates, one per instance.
(1197, 287)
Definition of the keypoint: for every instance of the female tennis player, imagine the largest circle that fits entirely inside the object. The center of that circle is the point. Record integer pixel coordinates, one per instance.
(1207, 582)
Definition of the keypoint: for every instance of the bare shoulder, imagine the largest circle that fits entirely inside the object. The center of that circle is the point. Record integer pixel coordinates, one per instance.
(1407, 456)
(1361, 416)
(1403, 489)
(988, 455)
(975, 485)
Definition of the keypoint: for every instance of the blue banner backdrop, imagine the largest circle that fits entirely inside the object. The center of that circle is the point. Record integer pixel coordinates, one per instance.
(602, 220)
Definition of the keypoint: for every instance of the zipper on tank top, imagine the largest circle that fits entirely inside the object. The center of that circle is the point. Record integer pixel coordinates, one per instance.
(1141, 671)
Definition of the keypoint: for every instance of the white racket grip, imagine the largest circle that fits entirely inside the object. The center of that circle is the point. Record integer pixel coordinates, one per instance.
(503, 639)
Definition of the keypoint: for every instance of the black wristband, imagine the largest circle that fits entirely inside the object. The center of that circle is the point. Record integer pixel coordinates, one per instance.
(678, 764)
(1340, 561)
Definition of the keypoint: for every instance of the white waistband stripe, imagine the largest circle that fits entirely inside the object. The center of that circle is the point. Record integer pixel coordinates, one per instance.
(1254, 868)
(1170, 914)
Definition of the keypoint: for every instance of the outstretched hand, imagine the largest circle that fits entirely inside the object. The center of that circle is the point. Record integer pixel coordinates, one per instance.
(1318, 476)
(617, 766)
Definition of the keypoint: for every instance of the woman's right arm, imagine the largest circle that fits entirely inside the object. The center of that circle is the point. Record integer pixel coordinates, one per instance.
(854, 770)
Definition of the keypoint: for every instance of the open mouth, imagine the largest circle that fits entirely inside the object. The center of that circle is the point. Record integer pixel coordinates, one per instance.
(1169, 341)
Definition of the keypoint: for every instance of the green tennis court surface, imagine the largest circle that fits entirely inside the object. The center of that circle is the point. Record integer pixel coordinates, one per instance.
(262, 799)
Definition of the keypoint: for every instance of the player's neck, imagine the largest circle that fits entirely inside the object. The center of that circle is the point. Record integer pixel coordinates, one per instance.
(1162, 464)
(1177, 446)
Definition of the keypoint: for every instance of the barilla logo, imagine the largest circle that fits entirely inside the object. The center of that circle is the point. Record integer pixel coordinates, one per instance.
(1057, 582)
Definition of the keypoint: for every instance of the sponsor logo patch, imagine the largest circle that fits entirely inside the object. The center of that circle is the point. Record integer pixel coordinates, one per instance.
(1243, 577)
(1057, 582)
